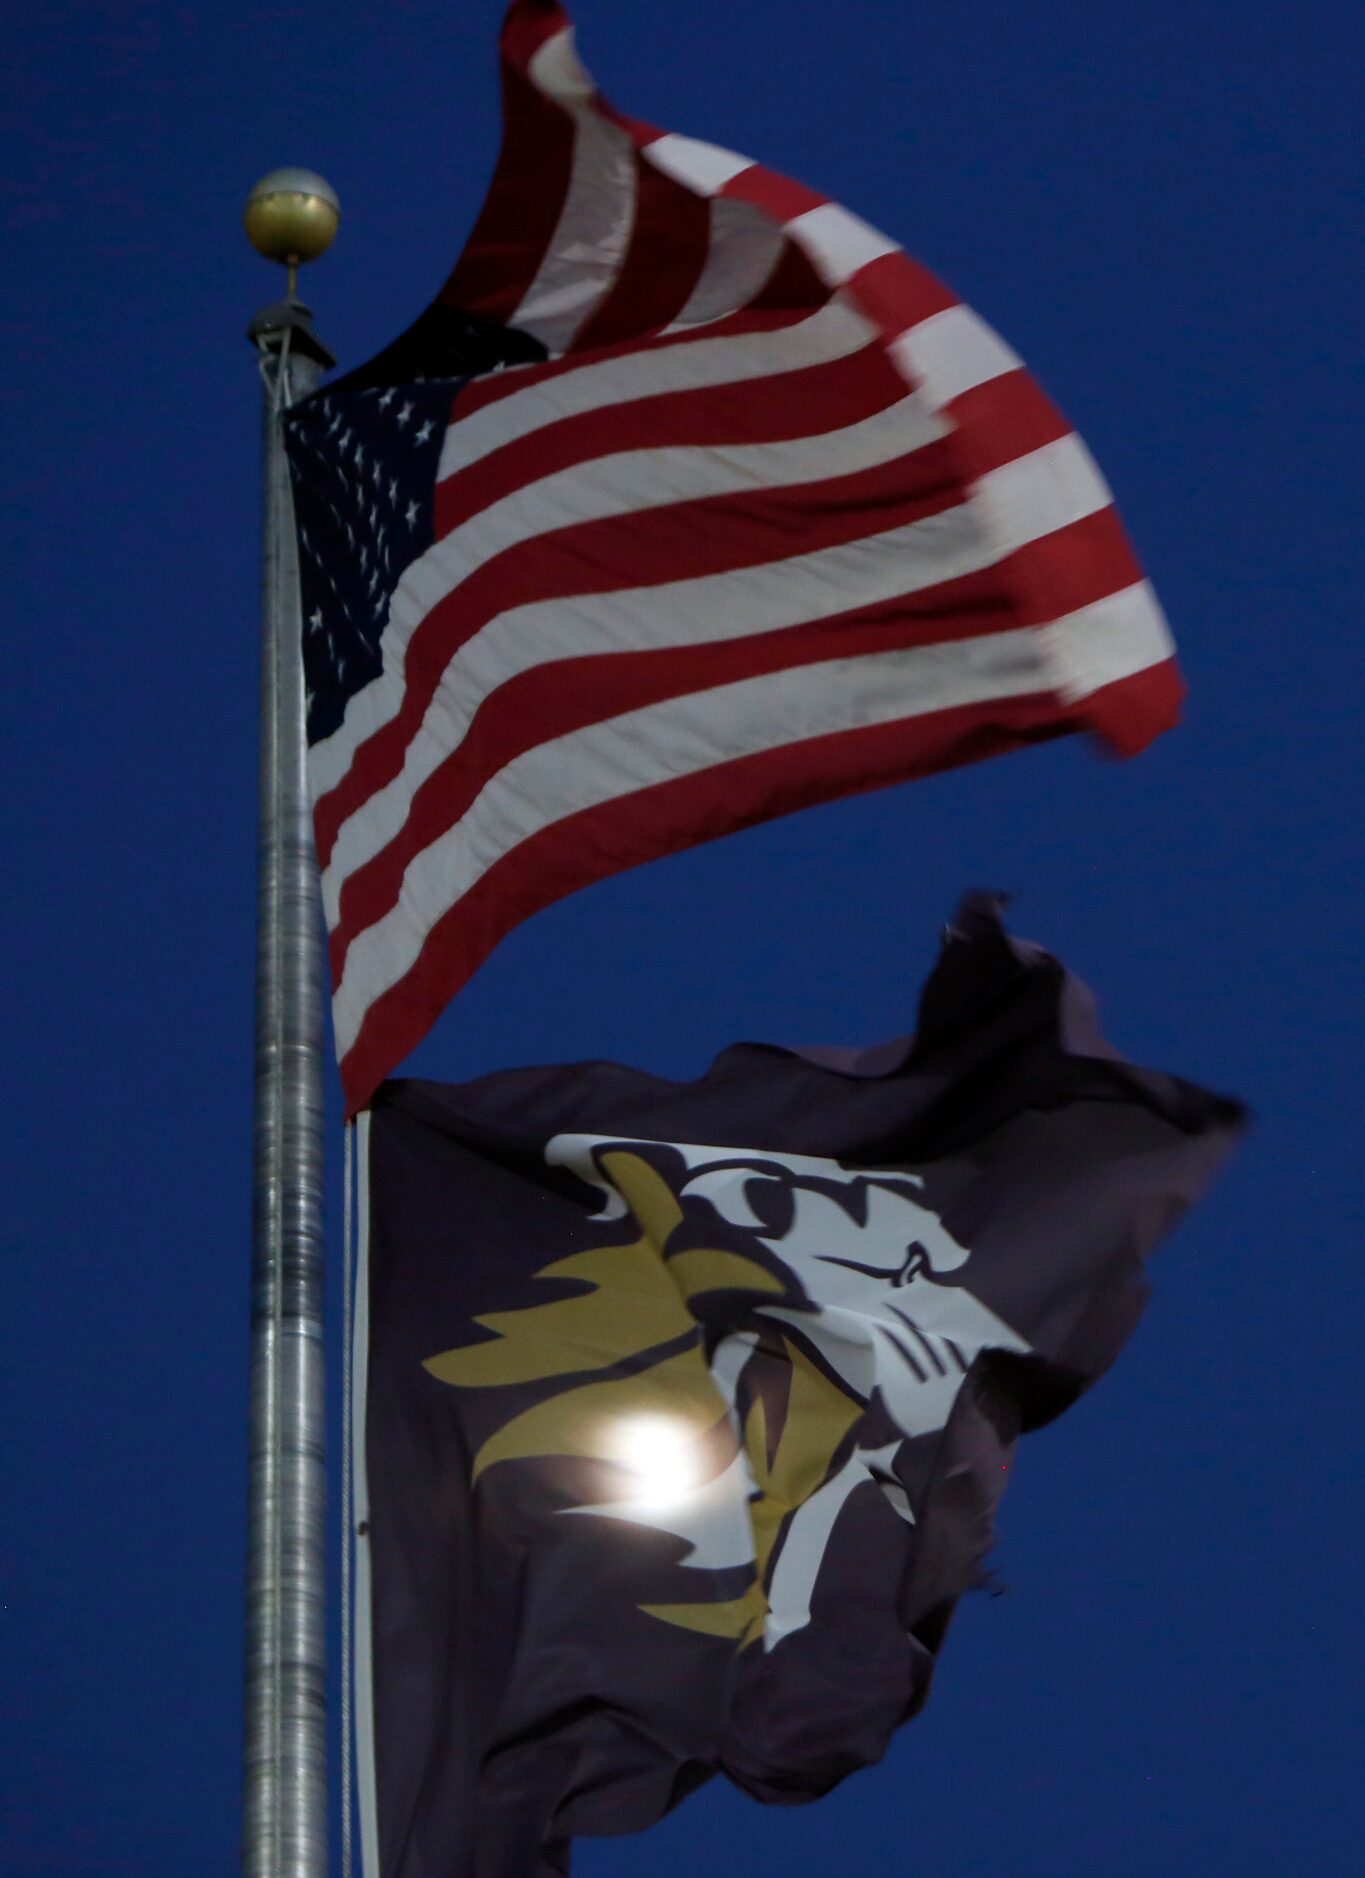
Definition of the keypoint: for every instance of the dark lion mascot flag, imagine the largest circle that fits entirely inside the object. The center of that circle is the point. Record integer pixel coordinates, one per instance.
(686, 1406)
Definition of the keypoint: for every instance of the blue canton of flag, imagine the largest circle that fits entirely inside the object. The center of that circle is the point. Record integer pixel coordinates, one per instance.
(364, 479)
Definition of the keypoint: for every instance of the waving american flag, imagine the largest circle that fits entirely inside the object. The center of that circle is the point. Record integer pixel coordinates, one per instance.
(691, 501)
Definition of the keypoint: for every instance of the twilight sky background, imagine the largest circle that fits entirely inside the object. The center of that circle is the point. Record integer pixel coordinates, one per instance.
(1158, 205)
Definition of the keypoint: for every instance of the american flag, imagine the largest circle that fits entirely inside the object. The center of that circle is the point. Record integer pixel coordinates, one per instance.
(692, 500)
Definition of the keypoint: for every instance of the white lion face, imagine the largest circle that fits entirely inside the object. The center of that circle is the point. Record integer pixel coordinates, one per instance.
(871, 1292)
(866, 1252)
(870, 1255)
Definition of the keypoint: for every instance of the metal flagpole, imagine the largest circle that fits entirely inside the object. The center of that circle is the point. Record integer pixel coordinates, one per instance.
(291, 217)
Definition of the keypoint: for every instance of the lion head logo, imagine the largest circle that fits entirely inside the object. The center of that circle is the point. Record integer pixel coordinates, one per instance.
(742, 1314)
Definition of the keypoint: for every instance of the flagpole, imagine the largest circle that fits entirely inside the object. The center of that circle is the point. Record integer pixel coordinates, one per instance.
(291, 217)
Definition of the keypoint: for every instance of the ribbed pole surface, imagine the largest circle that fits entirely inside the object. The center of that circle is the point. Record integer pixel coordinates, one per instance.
(285, 1749)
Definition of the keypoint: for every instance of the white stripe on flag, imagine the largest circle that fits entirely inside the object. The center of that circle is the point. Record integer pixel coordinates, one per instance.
(682, 736)
(835, 332)
(952, 352)
(588, 249)
(1107, 641)
(827, 337)
(838, 244)
(1026, 499)
(745, 246)
(705, 167)
(632, 481)
(708, 609)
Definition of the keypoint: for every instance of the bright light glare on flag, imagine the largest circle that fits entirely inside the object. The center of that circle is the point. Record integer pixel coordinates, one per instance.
(660, 1452)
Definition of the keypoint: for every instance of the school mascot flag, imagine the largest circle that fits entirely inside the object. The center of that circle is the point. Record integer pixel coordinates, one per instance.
(684, 1407)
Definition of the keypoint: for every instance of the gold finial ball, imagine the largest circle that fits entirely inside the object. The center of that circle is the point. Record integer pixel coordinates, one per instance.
(291, 216)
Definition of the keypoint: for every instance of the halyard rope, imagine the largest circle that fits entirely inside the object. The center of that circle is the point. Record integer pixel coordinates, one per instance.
(347, 1514)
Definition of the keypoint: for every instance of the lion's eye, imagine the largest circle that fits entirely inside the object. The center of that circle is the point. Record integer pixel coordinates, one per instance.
(726, 1189)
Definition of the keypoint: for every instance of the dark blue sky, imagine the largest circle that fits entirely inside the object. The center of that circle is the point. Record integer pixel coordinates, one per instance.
(1158, 205)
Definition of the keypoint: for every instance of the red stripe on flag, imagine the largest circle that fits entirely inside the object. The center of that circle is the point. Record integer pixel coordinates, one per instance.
(1005, 418)
(525, 199)
(1069, 569)
(793, 283)
(564, 695)
(529, 25)
(1132, 712)
(776, 195)
(783, 408)
(484, 730)
(896, 293)
(713, 535)
(664, 819)
(822, 407)
(493, 387)
(553, 700)
(668, 249)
